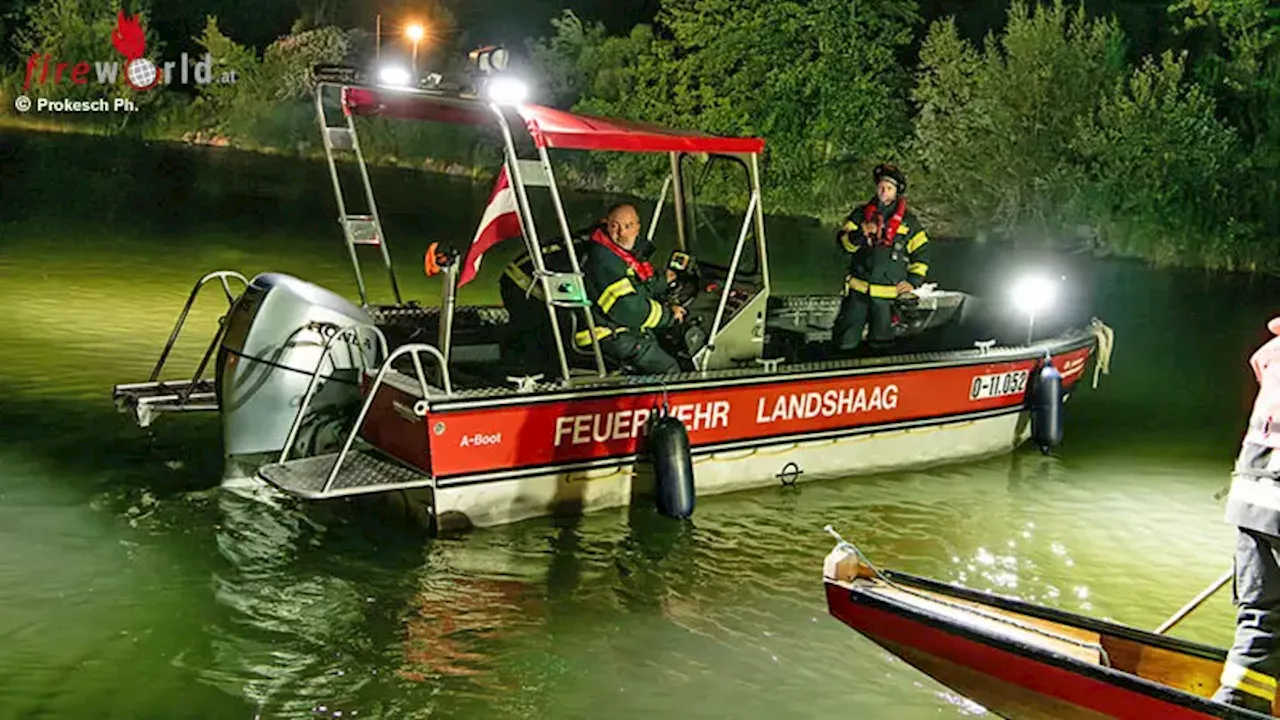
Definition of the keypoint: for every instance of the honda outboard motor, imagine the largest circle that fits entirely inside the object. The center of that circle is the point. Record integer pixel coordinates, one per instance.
(275, 337)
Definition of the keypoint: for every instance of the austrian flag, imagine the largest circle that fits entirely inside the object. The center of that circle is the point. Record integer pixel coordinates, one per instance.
(500, 222)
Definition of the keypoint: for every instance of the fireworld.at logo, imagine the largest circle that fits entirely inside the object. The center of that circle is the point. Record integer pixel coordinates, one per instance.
(140, 73)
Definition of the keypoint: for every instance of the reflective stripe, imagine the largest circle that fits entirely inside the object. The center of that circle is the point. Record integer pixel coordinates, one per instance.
(1245, 680)
(875, 291)
(918, 268)
(582, 338)
(846, 241)
(615, 291)
(916, 242)
(655, 316)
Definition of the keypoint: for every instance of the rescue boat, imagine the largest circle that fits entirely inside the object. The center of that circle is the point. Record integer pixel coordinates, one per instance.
(1023, 661)
(322, 397)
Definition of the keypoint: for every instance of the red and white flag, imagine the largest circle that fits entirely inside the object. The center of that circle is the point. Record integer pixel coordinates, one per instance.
(499, 222)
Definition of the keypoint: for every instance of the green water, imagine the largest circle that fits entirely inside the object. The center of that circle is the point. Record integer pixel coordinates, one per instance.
(131, 586)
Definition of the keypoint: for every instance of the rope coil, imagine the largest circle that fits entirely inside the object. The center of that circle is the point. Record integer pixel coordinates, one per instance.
(1106, 338)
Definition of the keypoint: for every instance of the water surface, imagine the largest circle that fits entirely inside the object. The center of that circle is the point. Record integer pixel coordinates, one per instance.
(133, 587)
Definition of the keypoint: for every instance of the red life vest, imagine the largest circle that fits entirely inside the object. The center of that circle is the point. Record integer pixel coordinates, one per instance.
(885, 234)
(1264, 422)
(643, 270)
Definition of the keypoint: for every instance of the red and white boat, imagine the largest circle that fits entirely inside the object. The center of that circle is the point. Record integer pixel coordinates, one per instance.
(1023, 661)
(438, 415)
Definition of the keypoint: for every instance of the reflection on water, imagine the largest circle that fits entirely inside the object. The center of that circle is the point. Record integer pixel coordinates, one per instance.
(134, 586)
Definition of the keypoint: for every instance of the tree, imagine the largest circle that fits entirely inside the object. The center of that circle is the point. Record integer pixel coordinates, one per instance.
(992, 138)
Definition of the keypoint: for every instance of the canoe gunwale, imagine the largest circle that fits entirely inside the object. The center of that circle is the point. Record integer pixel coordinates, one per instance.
(860, 594)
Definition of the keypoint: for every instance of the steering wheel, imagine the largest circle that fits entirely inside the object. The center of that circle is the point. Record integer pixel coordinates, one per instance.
(688, 281)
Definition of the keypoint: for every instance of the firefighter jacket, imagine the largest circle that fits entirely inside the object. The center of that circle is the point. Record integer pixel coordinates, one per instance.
(554, 257)
(895, 249)
(1254, 501)
(624, 291)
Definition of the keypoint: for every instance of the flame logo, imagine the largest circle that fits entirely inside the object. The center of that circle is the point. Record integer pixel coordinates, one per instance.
(128, 37)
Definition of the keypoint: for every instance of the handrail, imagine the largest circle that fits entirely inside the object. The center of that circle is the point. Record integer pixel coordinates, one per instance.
(411, 349)
(182, 318)
(733, 269)
(332, 332)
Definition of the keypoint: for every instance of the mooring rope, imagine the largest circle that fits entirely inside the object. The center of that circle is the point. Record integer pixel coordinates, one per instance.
(1106, 343)
(1105, 658)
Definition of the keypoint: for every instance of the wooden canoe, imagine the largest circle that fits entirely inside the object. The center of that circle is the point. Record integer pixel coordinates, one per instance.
(1020, 660)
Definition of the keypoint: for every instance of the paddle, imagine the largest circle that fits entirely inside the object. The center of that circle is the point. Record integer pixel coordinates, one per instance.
(1196, 601)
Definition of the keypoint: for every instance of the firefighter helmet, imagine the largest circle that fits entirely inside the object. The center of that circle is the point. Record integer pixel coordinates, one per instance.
(886, 170)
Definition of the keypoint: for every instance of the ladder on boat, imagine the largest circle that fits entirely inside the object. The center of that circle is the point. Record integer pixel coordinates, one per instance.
(356, 470)
(358, 228)
(147, 400)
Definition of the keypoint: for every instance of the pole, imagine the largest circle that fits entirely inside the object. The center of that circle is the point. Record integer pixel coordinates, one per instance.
(1196, 601)
(377, 51)
(415, 58)
(1031, 326)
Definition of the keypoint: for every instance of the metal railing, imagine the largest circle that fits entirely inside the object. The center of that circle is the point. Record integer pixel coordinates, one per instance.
(413, 350)
(332, 333)
(221, 275)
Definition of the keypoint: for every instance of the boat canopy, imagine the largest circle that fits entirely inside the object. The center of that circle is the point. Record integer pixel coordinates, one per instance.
(550, 128)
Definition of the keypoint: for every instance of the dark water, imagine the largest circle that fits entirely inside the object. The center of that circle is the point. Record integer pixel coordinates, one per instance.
(132, 587)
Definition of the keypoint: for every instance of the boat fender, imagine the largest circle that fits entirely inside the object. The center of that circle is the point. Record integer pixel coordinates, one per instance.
(672, 466)
(1047, 407)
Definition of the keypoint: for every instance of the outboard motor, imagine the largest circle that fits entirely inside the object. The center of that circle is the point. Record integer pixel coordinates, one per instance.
(275, 337)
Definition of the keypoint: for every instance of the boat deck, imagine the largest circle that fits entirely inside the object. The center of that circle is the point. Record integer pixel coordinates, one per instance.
(361, 472)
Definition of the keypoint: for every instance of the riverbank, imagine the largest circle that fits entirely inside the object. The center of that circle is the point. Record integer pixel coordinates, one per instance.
(1081, 240)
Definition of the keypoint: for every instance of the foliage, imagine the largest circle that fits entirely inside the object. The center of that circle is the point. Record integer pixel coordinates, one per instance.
(1159, 164)
(993, 133)
(823, 85)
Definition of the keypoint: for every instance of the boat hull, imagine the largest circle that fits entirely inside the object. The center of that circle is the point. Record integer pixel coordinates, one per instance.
(1023, 661)
(482, 503)
(496, 460)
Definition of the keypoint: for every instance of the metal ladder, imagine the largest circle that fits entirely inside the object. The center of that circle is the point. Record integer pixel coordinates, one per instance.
(357, 228)
(146, 400)
(360, 471)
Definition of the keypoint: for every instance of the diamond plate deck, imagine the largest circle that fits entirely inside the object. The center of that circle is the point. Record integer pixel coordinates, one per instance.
(362, 473)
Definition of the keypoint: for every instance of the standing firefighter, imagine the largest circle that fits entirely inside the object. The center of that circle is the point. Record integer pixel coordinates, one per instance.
(1249, 675)
(890, 257)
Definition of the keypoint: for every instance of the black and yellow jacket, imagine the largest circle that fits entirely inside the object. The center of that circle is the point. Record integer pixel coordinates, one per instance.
(554, 257)
(624, 291)
(879, 263)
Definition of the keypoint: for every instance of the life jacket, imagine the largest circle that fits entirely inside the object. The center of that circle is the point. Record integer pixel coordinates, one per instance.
(885, 234)
(1264, 422)
(643, 270)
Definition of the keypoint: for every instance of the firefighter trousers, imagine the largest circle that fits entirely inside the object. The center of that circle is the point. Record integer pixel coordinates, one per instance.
(639, 352)
(856, 309)
(1253, 664)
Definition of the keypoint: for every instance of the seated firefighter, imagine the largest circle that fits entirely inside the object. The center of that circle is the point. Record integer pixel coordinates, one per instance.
(625, 296)
(890, 258)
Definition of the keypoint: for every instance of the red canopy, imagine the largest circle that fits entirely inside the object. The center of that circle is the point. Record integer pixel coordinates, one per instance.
(550, 128)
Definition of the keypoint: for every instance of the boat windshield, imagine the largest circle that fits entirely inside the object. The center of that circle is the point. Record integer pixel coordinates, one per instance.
(717, 189)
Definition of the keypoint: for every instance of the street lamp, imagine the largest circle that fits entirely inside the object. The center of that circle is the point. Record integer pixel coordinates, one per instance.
(414, 32)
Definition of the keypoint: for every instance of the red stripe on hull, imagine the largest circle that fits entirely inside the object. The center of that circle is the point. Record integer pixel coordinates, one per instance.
(1055, 684)
(477, 440)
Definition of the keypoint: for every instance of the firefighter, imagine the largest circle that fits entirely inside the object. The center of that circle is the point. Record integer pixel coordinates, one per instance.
(890, 258)
(1249, 675)
(624, 291)
(530, 340)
